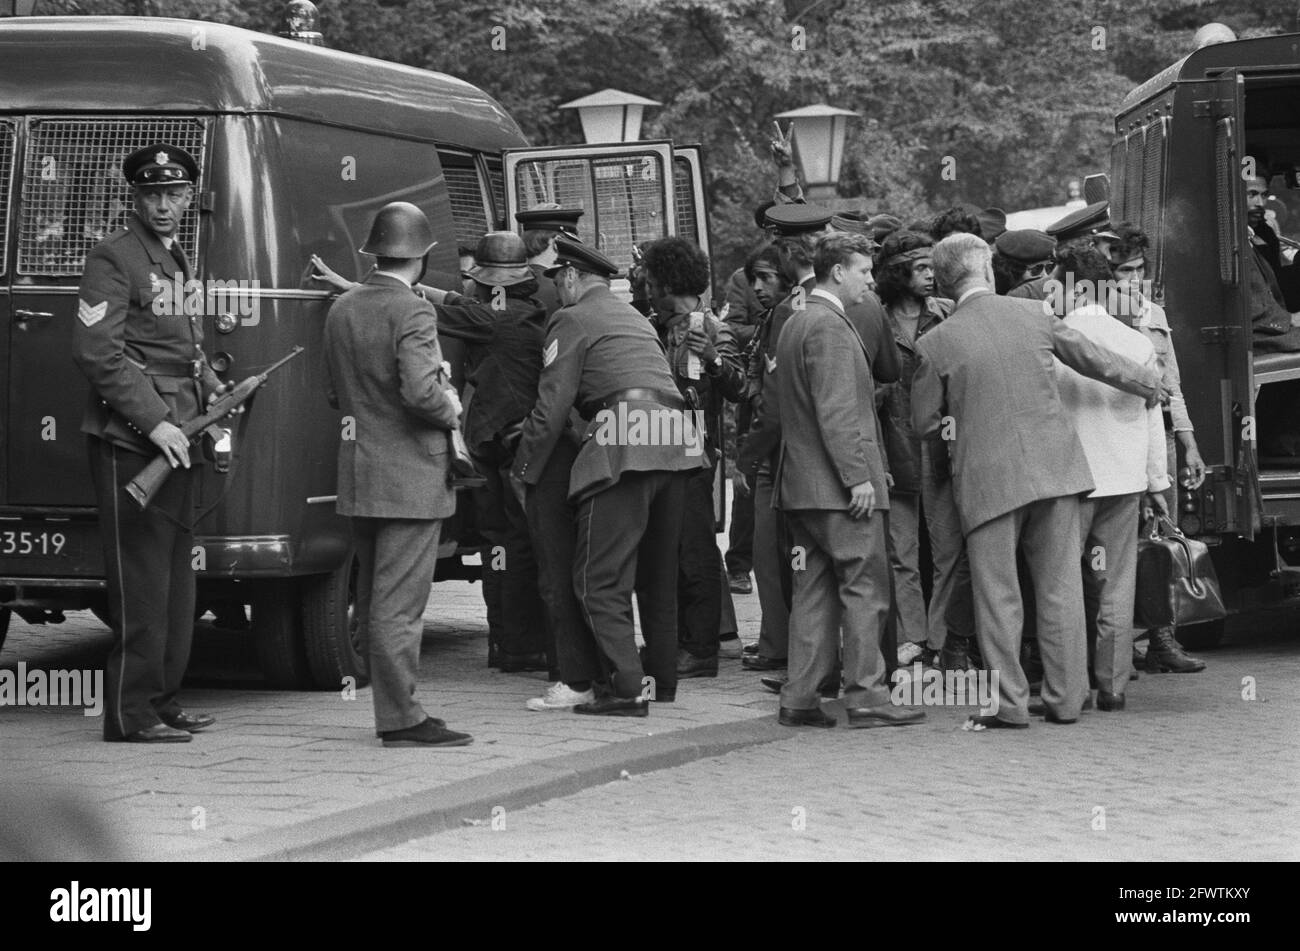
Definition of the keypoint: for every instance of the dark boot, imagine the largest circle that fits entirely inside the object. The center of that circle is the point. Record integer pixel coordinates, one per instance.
(1165, 656)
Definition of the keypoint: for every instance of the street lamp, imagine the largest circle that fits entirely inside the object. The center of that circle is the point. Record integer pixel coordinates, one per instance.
(610, 115)
(819, 146)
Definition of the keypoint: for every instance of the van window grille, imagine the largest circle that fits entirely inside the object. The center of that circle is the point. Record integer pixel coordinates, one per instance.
(1225, 192)
(622, 195)
(467, 211)
(1133, 176)
(684, 198)
(1153, 173)
(73, 193)
(497, 185)
(1118, 151)
(7, 139)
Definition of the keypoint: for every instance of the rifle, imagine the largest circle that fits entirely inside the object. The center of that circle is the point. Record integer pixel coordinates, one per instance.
(146, 485)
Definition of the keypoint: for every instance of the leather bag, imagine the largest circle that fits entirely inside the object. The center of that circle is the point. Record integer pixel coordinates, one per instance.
(1176, 581)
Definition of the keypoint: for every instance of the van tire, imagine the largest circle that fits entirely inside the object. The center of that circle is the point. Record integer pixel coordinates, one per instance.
(4, 626)
(277, 634)
(1200, 637)
(329, 628)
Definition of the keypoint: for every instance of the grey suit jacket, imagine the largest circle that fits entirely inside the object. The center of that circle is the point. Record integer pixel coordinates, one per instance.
(985, 382)
(382, 363)
(830, 434)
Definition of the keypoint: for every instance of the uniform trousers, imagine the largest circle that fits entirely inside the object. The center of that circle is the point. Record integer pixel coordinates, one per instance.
(771, 570)
(628, 538)
(1041, 530)
(396, 561)
(952, 609)
(147, 563)
(552, 519)
(699, 574)
(1108, 534)
(844, 585)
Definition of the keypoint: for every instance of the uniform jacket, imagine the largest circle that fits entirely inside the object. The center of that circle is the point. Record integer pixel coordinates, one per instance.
(383, 367)
(1032, 289)
(594, 348)
(546, 294)
(127, 350)
(987, 379)
(506, 357)
(825, 400)
(902, 445)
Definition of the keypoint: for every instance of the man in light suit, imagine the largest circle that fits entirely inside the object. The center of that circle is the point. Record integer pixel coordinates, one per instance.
(385, 372)
(830, 482)
(986, 384)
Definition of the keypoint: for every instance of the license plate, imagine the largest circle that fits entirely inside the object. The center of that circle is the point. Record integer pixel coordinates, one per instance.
(37, 543)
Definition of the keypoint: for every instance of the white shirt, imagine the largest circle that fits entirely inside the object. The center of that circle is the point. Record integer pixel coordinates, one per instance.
(818, 292)
(396, 277)
(1123, 440)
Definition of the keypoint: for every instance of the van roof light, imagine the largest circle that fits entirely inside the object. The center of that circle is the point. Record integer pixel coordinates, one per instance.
(1213, 33)
(301, 21)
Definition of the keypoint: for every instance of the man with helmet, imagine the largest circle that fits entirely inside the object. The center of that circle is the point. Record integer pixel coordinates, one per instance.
(385, 373)
(148, 376)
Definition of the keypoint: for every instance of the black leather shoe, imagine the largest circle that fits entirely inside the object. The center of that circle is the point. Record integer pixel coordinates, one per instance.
(189, 722)
(887, 715)
(773, 684)
(1109, 701)
(426, 734)
(1038, 709)
(739, 583)
(1051, 717)
(615, 707)
(158, 733)
(788, 717)
(993, 723)
(688, 665)
(518, 663)
(665, 694)
(750, 648)
(759, 662)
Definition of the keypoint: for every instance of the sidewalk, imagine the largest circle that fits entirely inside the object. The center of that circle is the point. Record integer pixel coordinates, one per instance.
(276, 759)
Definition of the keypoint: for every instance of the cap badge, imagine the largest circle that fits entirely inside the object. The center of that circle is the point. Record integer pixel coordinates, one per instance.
(162, 158)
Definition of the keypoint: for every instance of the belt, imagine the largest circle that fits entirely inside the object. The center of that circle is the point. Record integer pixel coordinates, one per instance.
(187, 368)
(640, 394)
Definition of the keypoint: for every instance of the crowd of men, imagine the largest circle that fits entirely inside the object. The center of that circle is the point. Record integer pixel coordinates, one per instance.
(934, 446)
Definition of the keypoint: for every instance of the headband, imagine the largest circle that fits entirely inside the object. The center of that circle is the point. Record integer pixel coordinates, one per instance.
(907, 256)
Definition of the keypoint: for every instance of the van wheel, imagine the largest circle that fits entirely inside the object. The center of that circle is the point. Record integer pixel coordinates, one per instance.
(277, 634)
(4, 626)
(1200, 637)
(329, 628)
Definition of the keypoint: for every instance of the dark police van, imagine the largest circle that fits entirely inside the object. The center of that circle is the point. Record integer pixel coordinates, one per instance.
(1178, 170)
(298, 147)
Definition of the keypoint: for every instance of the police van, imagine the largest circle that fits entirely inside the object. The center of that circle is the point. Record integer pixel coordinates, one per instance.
(1182, 149)
(298, 147)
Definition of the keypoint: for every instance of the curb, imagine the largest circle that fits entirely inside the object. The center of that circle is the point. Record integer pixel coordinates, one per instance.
(361, 829)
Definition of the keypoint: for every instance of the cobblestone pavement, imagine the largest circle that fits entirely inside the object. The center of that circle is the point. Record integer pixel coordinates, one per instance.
(277, 757)
(1191, 770)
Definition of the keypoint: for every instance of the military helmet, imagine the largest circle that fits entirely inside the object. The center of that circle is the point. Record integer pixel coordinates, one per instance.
(500, 258)
(400, 230)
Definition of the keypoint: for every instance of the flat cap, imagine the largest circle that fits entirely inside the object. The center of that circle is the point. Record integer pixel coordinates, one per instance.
(796, 219)
(851, 222)
(1091, 221)
(570, 253)
(550, 217)
(882, 225)
(160, 164)
(993, 222)
(1026, 245)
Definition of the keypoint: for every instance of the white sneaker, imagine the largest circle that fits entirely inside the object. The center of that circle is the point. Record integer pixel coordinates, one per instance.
(909, 652)
(732, 649)
(559, 696)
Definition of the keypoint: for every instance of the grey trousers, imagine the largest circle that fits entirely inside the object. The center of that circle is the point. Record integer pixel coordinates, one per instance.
(397, 560)
(1042, 529)
(952, 608)
(905, 532)
(1108, 533)
(771, 561)
(843, 585)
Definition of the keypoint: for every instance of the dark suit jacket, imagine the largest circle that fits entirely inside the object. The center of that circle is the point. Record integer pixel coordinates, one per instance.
(986, 381)
(382, 368)
(119, 340)
(825, 396)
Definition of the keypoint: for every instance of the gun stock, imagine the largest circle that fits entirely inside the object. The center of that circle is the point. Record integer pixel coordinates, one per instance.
(150, 479)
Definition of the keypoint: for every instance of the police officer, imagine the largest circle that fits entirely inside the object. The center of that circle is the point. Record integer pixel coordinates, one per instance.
(1092, 223)
(602, 356)
(1020, 257)
(148, 376)
(542, 225)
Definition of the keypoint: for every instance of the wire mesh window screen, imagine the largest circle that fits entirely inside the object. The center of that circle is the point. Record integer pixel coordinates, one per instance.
(1133, 176)
(497, 184)
(1118, 151)
(1153, 174)
(1225, 185)
(467, 209)
(73, 192)
(7, 139)
(623, 197)
(684, 198)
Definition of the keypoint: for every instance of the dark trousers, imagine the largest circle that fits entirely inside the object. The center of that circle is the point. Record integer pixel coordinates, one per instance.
(510, 585)
(740, 538)
(699, 572)
(771, 569)
(396, 559)
(628, 538)
(552, 520)
(147, 562)
(844, 585)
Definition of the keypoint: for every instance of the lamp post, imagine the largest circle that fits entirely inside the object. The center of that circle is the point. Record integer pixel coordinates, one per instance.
(610, 115)
(819, 146)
